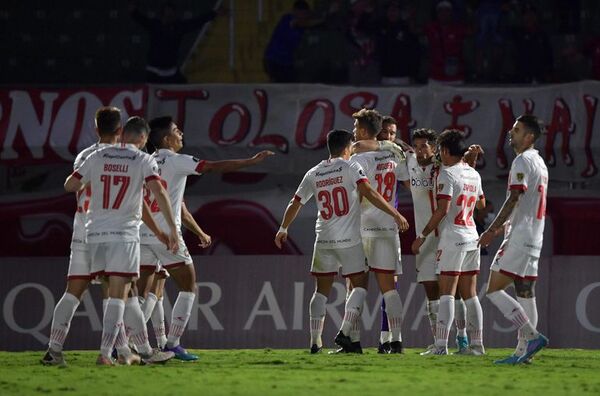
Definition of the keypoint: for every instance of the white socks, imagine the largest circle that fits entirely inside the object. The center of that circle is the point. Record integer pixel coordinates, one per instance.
(158, 323)
(530, 308)
(513, 311)
(433, 306)
(316, 312)
(61, 321)
(148, 306)
(111, 324)
(474, 320)
(136, 326)
(444, 321)
(180, 317)
(460, 317)
(393, 308)
(353, 308)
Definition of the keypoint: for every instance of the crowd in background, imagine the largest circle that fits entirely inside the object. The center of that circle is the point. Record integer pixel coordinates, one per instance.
(456, 42)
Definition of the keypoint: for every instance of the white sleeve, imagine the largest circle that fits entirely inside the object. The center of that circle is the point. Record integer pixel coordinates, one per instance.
(305, 190)
(444, 185)
(518, 178)
(402, 171)
(84, 169)
(357, 173)
(149, 169)
(188, 165)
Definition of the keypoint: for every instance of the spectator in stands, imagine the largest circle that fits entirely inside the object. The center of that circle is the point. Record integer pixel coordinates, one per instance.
(166, 33)
(533, 49)
(364, 68)
(445, 39)
(592, 51)
(397, 48)
(490, 40)
(279, 55)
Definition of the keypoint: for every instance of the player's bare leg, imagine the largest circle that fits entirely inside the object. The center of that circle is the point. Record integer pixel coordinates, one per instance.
(448, 285)
(353, 309)
(513, 311)
(387, 286)
(467, 289)
(316, 311)
(185, 278)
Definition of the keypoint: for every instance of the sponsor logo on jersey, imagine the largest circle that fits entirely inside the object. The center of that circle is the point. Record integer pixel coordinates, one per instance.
(421, 182)
(520, 176)
(130, 157)
(196, 159)
(329, 172)
(440, 187)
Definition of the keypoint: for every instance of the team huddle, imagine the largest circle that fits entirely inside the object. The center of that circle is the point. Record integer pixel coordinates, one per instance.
(118, 187)
(130, 210)
(357, 232)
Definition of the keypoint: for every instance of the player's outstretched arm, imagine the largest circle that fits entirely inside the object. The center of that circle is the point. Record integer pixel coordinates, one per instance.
(148, 219)
(443, 205)
(73, 184)
(376, 199)
(164, 203)
(233, 165)
(288, 217)
(472, 154)
(507, 208)
(189, 222)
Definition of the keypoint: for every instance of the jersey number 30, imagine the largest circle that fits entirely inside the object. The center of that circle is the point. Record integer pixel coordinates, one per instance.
(332, 202)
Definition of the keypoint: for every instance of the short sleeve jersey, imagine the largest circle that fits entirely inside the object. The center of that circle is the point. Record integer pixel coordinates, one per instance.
(525, 231)
(422, 181)
(334, 183)
(173, 169)
(461, 184)
(83, 196)
(116, 175)
(383, 171)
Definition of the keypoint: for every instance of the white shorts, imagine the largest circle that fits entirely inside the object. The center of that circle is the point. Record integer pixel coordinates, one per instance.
(115, 259)
(80, 263)
(457, 262)
(425, 261)
(383, 254)
(328, 261)
(515, 264)
(158, 257)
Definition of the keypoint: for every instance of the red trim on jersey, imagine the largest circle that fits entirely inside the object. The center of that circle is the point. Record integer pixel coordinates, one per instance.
(382, 271)
(76, 175)
(459, 273)
(444, 196)
(354, 273)
(174, 265)
(323, 273)
(200, 166)
(363, 180)
(515, 276)
(83, 277)
(122, 274)
(297, 198)
(97, 274)
(152, 177)
(520, 187)
(147, 268)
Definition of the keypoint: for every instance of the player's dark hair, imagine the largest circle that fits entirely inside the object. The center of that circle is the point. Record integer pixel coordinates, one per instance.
(388, 120)
(338, 140)
(532, 125)
(454, 141)
(424, 133)
(135, 126)
(108, 120)
(370, 120)
(159, 128)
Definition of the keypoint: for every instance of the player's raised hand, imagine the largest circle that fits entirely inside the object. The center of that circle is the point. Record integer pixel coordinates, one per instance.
(402, 222)
(205, 240)
(475, 149)
(261, 156)
(416, 245)
(280, 239)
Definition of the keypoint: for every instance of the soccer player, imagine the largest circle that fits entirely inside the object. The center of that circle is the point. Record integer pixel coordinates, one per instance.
(174, 169)
(116, 175)
(379, 231)
(336, 183)
(522, 219)
(458, 191)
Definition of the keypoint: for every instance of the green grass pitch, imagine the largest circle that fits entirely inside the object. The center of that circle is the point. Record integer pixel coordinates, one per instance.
(296, 372)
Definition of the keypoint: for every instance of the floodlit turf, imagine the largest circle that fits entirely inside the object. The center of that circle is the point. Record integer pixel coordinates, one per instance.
(296, 372)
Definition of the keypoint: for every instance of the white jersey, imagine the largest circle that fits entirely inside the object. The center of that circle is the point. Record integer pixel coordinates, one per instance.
(173, 169)
(461, 184)
(117, 175)
(334, 184)
(525, 231)
(83, 196)
(422, 183)
(383, 170)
